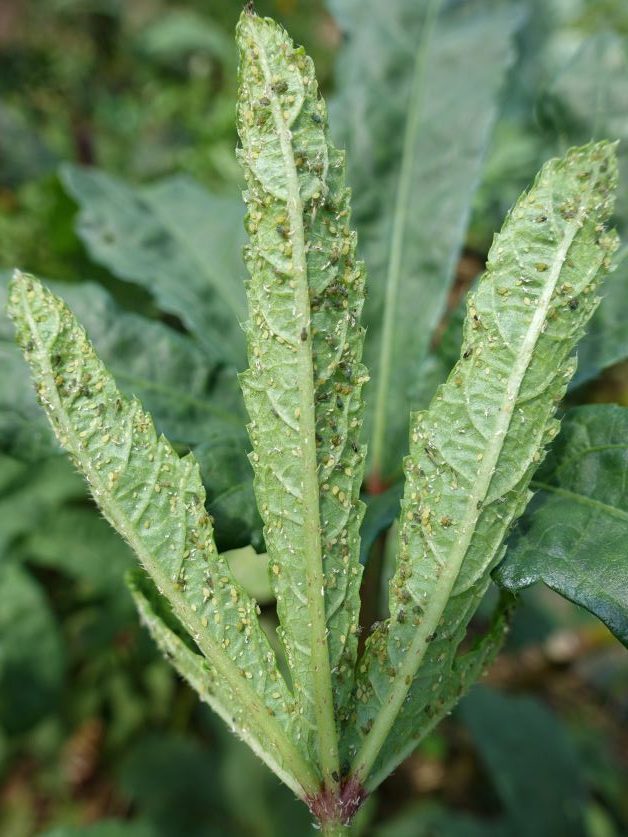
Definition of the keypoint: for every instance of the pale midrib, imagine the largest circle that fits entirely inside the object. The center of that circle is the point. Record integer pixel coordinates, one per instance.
(315, 578)
(302, 778)
(393, 274)
(397, 693)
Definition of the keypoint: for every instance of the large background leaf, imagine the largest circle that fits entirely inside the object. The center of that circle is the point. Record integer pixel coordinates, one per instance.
(573, 535)
(180, 242)
(528, 756)
(415, 116)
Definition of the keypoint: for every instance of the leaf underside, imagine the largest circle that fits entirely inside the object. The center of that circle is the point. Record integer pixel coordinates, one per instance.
(155, 500)
(473, 452)
(303, 385)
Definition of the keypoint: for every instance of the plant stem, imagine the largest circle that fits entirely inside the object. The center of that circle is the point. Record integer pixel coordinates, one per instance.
(334, 829)
(315, 579)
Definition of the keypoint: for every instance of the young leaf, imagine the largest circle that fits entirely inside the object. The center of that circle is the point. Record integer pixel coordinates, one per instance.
(303, 386)
(574, 534)
(176, 240)
(415, 115)
(473, 452)
(155, 500)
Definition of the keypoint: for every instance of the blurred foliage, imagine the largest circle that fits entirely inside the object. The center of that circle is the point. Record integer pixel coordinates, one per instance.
(97, 735)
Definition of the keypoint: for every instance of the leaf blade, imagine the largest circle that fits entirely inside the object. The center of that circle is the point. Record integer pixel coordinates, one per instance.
(155, 500)
(303, 385)
(406, 86)
(474, 451)
(579, 487)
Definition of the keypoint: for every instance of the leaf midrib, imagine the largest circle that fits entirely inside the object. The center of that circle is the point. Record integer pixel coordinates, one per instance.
(583, 499)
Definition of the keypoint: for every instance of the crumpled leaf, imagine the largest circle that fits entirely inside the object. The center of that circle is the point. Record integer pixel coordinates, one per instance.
(573, 536)
(303, 385)
(473, 452)
(155, 500)
(415, 115)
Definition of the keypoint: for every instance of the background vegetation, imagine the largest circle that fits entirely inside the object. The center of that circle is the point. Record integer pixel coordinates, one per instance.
(97, 735)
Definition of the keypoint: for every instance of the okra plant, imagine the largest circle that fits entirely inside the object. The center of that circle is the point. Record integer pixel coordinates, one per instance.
(331, 718)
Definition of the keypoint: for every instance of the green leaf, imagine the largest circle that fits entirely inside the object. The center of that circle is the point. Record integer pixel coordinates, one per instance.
(188, 397)
(104, 828)
(78, 542)
(573, 536)
(197, 405)
(606, 341)
(381, 511)
(30, 492)
(176, 240)
(251, 571)
(473, 452)
(303, 385)
(415, 116)
(31, 652)
(155, 500)
(429, 820)
(531, 761)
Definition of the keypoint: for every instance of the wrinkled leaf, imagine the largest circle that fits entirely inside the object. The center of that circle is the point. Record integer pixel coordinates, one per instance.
(573, 536)
(155, 500)
(473, 452)
(303, 385)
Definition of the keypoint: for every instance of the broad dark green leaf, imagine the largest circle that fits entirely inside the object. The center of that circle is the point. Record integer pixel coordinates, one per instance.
(180, 242)
(28, 492)
(434, 821)
(381, 511)
(531, 762)
(31, 651)
(78, 542)
(415, 115)
(575, 531)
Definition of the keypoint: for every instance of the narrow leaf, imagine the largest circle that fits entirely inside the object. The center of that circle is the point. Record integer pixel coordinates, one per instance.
(415, 116)
(573, 536)
(473, 452)
(303, 386)
(155, 500)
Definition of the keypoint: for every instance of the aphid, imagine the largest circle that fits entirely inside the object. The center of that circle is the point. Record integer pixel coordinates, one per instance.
(303, 334)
